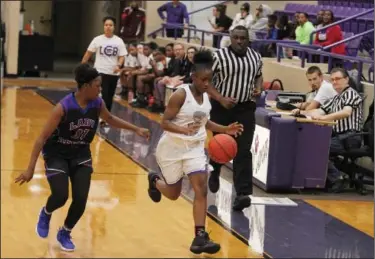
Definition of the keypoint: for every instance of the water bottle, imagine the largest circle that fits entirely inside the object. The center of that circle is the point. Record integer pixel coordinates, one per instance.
(32, 28)
(261, 100)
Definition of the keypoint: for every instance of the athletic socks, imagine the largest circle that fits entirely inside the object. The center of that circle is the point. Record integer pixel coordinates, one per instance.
(199, 231)
(45, 211)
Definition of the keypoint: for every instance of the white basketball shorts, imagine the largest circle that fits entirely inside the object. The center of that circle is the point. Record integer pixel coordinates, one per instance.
(177, 157)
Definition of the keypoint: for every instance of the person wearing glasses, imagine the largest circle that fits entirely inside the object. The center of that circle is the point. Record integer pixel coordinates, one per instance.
(345, 109)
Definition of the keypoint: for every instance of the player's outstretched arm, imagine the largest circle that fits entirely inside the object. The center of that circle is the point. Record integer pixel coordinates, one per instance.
(48, 129)
(173, 108)
(116, 122)
(235, 129)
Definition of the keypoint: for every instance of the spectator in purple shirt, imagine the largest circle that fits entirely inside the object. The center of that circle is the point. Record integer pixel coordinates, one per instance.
(176, 12)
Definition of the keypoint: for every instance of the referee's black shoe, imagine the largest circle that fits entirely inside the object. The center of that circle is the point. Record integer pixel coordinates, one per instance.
(153, 192)
(203, 244)
(241, 202)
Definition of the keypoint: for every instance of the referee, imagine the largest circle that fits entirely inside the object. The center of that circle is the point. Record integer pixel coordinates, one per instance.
(345, 109)
(237, 80)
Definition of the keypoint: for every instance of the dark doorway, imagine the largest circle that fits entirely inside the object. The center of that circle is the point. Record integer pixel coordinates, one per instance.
(66, 32)
(67, 26)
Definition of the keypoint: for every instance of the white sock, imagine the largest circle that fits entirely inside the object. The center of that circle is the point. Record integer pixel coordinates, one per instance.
(67, 229)
(45, 210)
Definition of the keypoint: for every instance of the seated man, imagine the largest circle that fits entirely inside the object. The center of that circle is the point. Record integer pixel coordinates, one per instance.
(321, 90)
(345, 109)
(177, 74)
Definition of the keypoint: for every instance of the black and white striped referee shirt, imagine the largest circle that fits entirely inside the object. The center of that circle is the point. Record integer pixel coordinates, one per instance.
(349, 97)
(234, 75)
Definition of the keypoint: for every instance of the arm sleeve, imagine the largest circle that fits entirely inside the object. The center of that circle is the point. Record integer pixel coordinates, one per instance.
(327, 107)
(352, 99)
(308, 32)
(260, 69)
(93, 45)
(215, 66)
(324, 94)
(316, 41)
(235, 22)
(186, 14)
(249, 21)
(122, 49)
(162, 9)
(215, 70)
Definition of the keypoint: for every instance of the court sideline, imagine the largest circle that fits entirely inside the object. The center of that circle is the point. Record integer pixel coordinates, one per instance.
(365, 227)
(117, 222)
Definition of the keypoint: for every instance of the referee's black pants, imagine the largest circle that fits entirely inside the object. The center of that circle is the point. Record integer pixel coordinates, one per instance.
(109, 84)
(243, 113)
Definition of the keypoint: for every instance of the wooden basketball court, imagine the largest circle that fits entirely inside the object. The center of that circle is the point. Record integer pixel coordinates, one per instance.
(120, 219)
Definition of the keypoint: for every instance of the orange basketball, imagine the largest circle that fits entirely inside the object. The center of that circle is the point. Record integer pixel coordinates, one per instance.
(222, 148)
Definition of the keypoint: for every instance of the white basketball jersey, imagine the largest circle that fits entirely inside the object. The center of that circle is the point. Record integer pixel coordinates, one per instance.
(192, 112)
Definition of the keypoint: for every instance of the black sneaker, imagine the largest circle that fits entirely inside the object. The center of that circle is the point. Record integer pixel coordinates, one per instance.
(203, 244)
(139, 104)
(241, 202)
(214, 182)
(153, 192)
(338, 186)
(155, 108)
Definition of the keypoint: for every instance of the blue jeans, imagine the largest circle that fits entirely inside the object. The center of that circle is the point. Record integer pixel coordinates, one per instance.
(337, 146)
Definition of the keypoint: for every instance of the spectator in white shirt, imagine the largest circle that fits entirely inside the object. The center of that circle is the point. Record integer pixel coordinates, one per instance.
(260, 23)
(131, 64)
(144, 76)
(110, 53)
(322, 91)
(140, 48)
(244, 18)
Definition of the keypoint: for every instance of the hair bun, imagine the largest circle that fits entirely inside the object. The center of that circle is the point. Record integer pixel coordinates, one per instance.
(203, 57)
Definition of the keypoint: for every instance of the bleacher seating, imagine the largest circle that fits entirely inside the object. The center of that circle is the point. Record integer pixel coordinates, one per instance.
(356, 25)
(353, 45)
(352, 48)
(343, 9)
(356, 3)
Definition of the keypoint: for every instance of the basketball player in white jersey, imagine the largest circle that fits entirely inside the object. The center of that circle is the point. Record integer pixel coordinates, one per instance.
(181, 148)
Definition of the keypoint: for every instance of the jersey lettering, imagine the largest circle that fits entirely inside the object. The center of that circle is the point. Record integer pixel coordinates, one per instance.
(109, 51)
(80, 134)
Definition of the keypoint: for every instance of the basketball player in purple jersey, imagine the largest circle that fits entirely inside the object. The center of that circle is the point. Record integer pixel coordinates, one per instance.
(65, 144)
